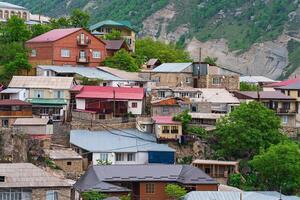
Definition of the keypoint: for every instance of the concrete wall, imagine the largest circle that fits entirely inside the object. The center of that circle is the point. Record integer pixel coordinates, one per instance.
(140, 158)
(138, 109)
(70, 165)
(167, 136)
(40, 193)
(35, 129)
(80, 104)
(172, 79)
(172, 110)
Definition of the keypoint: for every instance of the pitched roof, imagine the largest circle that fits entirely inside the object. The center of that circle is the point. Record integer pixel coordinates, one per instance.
(42, 82)
(172, 67)
(22, 175)
(127, 140)
(284, 83)
(130, 76)
(54, 35)
(184, 174)
(256, 79)
(13, 102)
(171, 101)
(31, 121)
(217, 96)
(197, 115)
(165, 120)
(101, 92)
(126, 24)
(114, 44)
(217, 162)
(88, 72)
(292, 86)
(11, 91)
(9, 5)
(263, 95)
(61, 154)
(152, 61)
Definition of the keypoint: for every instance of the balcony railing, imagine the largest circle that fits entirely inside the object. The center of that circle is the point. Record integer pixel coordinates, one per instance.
(285, 110)
(83, 59)
(84, 42)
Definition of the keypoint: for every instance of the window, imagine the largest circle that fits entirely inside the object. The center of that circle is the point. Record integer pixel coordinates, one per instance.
(150, 188)
(134, 105)
(216, 81)
(33, 53)
(194, 108)
(2, 179)
(69, 163)
(51, 195)
(130, 157)
(298, 93)
(38, 93)
(59, 94)
(96, 54)
(174, 129)
(16, 108)
(165, 109)
(161, 94)
(119, 157)
(165, 129)
(207, 170)
(103, 157)
(65, 53)
(284, 119)
(288, 92)
(286, 105)
(24, 15)
(4, 123)
(187, 79)
(6, 14)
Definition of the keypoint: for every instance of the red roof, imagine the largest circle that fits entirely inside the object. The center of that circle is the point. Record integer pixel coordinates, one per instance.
(164, 120)
(284, 83)
(13, 102)
(54, 35)
(99, 92)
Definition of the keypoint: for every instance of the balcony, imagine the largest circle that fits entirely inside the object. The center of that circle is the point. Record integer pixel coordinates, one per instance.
(83, 60)
(83, 42)
(285, 111)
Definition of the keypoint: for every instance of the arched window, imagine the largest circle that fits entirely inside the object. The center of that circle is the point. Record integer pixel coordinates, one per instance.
(12, 13)
(19, 14)
(1, 14)
(6, 14)
(24, 15)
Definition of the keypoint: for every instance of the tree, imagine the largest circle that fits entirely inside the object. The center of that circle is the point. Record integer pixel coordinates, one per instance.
(122, 60)
(14, 30)
(79, 19)
(90, 81)
(174, 191)
(197, 131)
(248, 87)
(114, 35)
(246, 130)
(39, 29)
(185, 118)
(278, 168)
(93, 195)
(211, 60)
(61, 22)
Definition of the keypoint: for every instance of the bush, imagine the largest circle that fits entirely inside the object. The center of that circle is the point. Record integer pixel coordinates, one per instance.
(175, 191)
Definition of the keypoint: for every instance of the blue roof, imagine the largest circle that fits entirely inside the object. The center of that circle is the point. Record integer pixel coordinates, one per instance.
(111, 23)
(127, 140)
(172, 67)
(89, 72)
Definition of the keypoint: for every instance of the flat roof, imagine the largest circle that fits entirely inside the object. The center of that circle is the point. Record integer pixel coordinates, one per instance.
(61, 154)
(172, 67)
(31, 121)
(216, 162)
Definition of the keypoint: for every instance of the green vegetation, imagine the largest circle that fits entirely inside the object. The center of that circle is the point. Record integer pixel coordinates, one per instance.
(89, 81)
(278, 168)
(187, 160)
(114, 35)
(175, 192)
(184, 118)
(198, 131)
(248, 87)
(211, 61)
(93, 195)
(246, 130)
(79, 19)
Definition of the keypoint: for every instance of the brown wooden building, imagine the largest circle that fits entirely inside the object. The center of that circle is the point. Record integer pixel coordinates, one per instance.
(72, 46)
(143, 182)
(113, 46)
(11, 109)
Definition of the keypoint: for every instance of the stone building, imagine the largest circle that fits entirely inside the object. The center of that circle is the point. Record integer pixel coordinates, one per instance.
(7, 10)
(26, 181)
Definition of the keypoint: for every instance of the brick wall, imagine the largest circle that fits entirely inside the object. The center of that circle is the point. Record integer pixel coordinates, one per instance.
(159, 191)
(40, 193)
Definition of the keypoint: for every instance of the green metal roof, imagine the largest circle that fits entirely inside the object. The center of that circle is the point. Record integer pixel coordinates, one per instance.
(43, 101)
(111, 23)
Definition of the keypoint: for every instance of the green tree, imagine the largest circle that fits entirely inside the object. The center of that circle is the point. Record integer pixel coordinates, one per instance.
(17, 65)
(235, 180)
(79, 19)
(114, 35)
(122, 60)
(248, 87)
(197, 131)
(61, 22)
(246, 130)
(39, 29)
(185, 118)
(278, 168)
(211, 60)
(89, 81)
(14, 30)
(175, 191)
(93, 195)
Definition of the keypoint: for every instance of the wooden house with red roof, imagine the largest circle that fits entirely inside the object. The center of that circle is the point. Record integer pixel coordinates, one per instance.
(110, 102)
(71, 46)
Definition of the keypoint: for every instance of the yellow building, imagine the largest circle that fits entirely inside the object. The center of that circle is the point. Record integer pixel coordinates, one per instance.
(105, 27)
(167, 129)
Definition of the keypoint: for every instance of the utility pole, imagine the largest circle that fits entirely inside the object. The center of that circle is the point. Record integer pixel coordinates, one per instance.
(114, 103)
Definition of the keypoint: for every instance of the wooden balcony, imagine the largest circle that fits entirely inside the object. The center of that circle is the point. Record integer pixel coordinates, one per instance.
(285, 111)
(84, 42)
(83, 60)
(22, 113)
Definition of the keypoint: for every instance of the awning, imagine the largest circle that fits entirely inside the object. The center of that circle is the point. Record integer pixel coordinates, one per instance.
(42, 101)
(11, 91)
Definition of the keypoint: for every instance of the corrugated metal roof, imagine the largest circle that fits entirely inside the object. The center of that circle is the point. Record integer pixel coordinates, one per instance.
(217, 162)
(203, 195)
(111, 23)
(88, 72)
(54, 35)
(61, 154)
(9, 5)
(26, 175)
(284, 83)
(265, 95)
(129, 76)
(13, 102)
(292, 86)
(43, 101)
(165, 120)
(31, 121)
(127, 140)
(42, 82)
(172, 67)
(114, 44)
(11, 91)
(217, 96)
(196, 115)
(256, 79)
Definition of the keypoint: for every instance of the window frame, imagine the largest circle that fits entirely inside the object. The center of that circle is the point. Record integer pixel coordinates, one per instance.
(284, 119)
(63, 53)
(121, 158)
(33, 53)
(98, 55)
(131, 157)
(134, 105)
(216, 82)
(52, 195)
(150, 188)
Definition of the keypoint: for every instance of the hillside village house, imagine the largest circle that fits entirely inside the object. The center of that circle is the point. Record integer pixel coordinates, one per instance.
(143, 182)
(49, 96)
(165, 128)
(102, 28)
(126, 146)
(109, 102)
(113, 46)
(72, 46)
(284, 106)
(26, 181)
(169, 106)
(256, 80)
(12, 109)
(193, 75)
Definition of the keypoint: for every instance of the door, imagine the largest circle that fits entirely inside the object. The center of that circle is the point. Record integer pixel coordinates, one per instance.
(82, 54)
